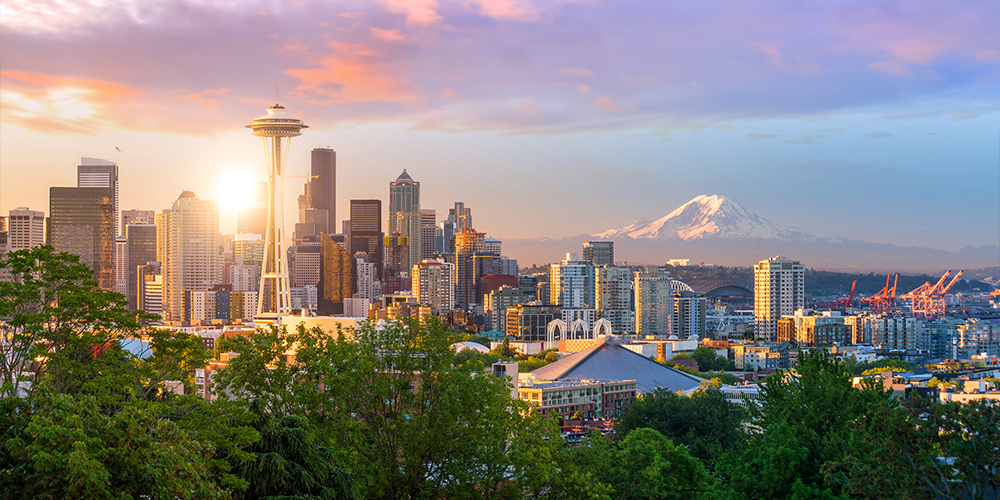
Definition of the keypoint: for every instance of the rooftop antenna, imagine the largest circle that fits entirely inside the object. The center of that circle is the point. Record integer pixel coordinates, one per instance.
(275, 92)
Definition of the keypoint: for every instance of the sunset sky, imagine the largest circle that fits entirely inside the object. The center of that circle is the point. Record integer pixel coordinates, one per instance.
(877, 121)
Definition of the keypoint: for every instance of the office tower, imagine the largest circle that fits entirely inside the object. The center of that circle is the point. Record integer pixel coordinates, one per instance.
(136, 216)
(613, 297)
(82, 222)
(529, 323)
(404, 216)
(601, 253)
(496, 303)
(277, 129)
(323, 186)
(25, 229)
(149, 288)
(192, 261)
(161, 237)
(252, 219)
(571, 283)
(121, 265)
(444, 237)
(397, 276)
(460, 217)
(483, 264)
(778, 291)
(508, 266)
(141, 249)
(654, 302)
(428, 225)
(690, 310)
(337, 276)
(467, 245)
(492, 246)
(304, 263)
(366, 231)
(367, 278)
(311, 223)
(97, 173)
(432, 285)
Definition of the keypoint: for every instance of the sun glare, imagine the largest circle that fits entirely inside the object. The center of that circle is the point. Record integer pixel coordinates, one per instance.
(235, 190)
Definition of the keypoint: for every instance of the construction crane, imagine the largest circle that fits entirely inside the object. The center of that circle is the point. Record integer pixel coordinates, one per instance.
(928, 300)
(885, 299)
(847, 302)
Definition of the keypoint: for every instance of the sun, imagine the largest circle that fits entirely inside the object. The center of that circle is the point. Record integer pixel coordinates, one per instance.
(235, 190)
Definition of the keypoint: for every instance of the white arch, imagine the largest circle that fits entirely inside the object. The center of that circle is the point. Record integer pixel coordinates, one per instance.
(678, 285)
(556, 330)
(579, 330)
(602, 327)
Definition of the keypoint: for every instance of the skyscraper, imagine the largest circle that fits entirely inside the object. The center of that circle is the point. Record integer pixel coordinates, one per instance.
(654, 302)
(121, 265)
(467, 245)
(571, 283)
(404, 216)
(323, 186)
(460, 216)
(82, 222)
(337, 276)
(778, 290)
(141, 239)
(26, 229)
(366, 231)
(192, 261)
(601, 253)
(428, 224)
(432, 285)
(133, 215)
(613, 297)
(252, 219)
(97, 173)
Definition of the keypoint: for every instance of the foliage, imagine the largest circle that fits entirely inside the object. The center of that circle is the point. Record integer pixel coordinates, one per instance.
(647, 465)
(709, 360)
(705, 422)
(58, 328)
(60, 447)
(856, 368)
(940, 451)
(289, 463)
(803, 423)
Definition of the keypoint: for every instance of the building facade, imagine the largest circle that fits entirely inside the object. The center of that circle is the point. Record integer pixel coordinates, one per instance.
(192, 261)
(433, 285)
(25, 229)
(779, 289)
(82, 222)
(654, 302)
(613, 297)
(600, 253)
(323, 188)
(405, 218)
(571, 283)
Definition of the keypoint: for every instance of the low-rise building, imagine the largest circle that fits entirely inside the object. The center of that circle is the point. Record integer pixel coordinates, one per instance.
(592, 398)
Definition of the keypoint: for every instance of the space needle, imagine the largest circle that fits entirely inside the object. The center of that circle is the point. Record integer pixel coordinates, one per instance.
(277, 129)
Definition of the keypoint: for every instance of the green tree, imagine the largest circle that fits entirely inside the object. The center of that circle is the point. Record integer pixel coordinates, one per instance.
(709, 360)
(647, 465)
(803, 424)
(705, 422)
(60, 447)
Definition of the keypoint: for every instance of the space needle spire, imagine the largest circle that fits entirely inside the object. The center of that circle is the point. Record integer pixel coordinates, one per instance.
(277, 129)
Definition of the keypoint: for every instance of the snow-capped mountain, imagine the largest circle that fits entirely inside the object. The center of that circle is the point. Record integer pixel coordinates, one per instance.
(707, 216)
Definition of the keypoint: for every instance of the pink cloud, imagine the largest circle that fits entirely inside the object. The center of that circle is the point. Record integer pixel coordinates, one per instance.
(387, 35)
(421, 12)
(352, 74)
(576, 72)
(509, 10)
(450, 94)
(609, 104)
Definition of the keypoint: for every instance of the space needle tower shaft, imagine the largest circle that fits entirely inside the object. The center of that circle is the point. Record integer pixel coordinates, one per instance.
(273, 296)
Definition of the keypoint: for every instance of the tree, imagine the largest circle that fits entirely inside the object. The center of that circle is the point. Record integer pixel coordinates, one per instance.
(59, 329)
(647, 465)
(802, 425)
(60, 447)
(706, 422)
(709, 360)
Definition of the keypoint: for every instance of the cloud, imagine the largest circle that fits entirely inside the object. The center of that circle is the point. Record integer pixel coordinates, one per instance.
(878, 135)
(387, 35)
(806, 139)
(421, 12)
(576, 72)
(957, 117)
(894, 68)
(761, 137)
(352, 74)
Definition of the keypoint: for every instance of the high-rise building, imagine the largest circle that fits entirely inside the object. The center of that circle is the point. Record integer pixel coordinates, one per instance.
(778, 291)
(428, 225)
(529, 323)
(366, 231)
(654, 302)
(244, 277)
(25, 229)
(460, 217)
(121, 265)
(192, 258)
(467, 245)
(367, 282)
(689, 314)
(304, 263)
(432, 285)
(252, 219)
(323, 186)
(97, 173)
(149, 288)
(492, 246)
(613, 297)
(444, 237)
(497, 302)
(82, 222)
(405, 217)
(571, 283)
(601, 253)
(136, 216)
(337, 276)
(396, 276)
(141, 250)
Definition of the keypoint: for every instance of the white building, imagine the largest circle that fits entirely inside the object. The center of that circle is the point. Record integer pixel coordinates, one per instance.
(244, 277)
(432, 285)
(654, 302)
(25, 229)
(778, 291)
(192, 258)
(121, 265)
(571, 283)
(367, 280)
(613, 297)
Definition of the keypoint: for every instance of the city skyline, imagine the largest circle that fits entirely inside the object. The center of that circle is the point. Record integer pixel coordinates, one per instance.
(877, 124)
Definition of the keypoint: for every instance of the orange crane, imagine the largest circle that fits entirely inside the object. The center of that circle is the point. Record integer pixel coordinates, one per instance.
(928, 300)
(885, 299)
(847, 302)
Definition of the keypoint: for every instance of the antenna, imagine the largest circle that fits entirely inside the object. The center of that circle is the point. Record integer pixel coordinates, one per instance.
(275, 92)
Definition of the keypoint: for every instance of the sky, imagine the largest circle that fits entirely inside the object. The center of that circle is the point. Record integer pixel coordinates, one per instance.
(869, 120)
